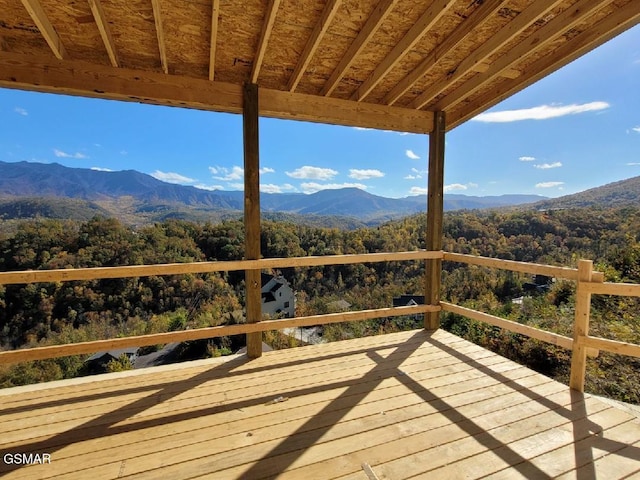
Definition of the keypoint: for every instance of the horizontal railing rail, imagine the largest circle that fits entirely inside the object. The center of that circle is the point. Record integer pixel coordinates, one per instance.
(521, 267)
(54, 351)
(99, 273)
(588, 282)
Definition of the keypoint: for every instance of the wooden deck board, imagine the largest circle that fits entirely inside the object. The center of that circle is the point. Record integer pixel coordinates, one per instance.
(411, 404)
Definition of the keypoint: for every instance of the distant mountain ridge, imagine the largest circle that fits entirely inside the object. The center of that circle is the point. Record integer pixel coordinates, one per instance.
(145, 194)
(624, 193)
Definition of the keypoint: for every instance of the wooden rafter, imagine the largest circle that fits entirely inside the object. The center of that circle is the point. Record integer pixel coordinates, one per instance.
(105, 31)
(214, 38)
(79, 78)
(544, 36)
(462, 31)
(505, 35)
(435, 11)
(160, 34)
(46, 29)
(368, 30)
(330, 10)
(621, 20)
(267, 28)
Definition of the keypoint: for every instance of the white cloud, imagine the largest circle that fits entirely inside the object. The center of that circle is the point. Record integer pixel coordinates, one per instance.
(527, 159)
(632, 164)
(313, 173)
(226, 175)
(264, 170)
(411, 155)
(549, 184)
(636, 129)
(61, 154)
(365, 174)
(171, 177)
(543, 112)
(100, 169)
(453, 187)
(312, 187)
(271, 188)
(363, 129)
(202, 186)
(237, 186)
(418, 191)
(21, 111)
(546, 166)
(412, 177)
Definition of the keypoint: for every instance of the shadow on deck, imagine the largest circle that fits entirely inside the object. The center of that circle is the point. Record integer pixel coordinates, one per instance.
(392, 406)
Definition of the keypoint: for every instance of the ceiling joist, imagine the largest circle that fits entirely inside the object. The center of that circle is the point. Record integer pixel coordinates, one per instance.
(105, 31)
(46, 29)
(621, 20)
(435, 11)
(374, 21)
(544, 36)
(157, 17)
(536, 11)
(462, 31)
(215, 13)
(79, 78)
(267, 28)
(330, 10)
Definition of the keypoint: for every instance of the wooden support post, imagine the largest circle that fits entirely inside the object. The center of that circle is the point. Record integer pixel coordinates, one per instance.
(581, 326)
(435, 212)
(252, 214)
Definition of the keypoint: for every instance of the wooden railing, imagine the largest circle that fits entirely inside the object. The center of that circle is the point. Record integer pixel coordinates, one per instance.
(65, 275)
(588, 282)
(582, 344)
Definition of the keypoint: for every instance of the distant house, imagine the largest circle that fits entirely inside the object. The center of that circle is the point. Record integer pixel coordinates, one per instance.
(277, 296)
(98, 362)
(541, 283)
(408, 300)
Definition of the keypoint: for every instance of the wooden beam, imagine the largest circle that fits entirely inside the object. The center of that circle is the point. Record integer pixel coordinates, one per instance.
(214, 38)
(617, 22)
(495, 43)
(96, 273)
(510, 325)
(157, 17)
(44, 74)
(435, 214)
(267, 27)
(105, 31)
(330, 10)
(55, 351)
(546, 35)
(581, 327)
(435, 11)
(46, 29)
(379, 14)
(613, 346)
(253, 283)
(462, 31)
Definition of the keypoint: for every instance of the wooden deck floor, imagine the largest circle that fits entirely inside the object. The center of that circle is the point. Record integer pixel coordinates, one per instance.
(397, 406)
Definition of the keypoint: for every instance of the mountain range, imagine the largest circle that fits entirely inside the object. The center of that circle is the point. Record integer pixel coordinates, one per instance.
(31, 189)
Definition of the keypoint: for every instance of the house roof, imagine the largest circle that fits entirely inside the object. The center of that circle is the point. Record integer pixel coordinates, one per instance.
(114, 353)
(385, 64)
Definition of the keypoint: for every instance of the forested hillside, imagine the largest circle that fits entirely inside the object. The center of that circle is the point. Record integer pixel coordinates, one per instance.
(47, 313)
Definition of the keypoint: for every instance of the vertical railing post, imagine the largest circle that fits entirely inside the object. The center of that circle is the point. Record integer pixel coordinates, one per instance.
(581, 326)
(253, 283)
(435, 212)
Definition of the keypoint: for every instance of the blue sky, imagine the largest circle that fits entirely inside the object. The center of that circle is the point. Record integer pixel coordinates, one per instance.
(576, 129)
